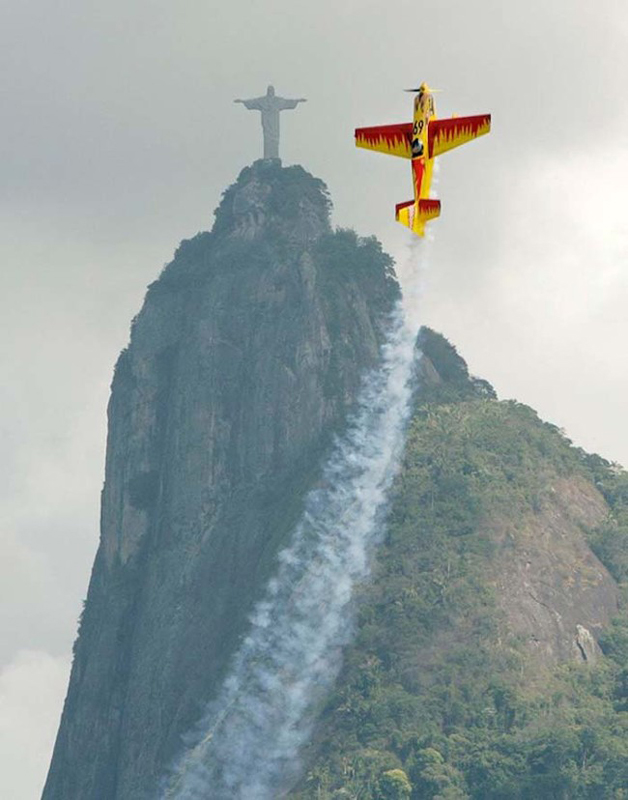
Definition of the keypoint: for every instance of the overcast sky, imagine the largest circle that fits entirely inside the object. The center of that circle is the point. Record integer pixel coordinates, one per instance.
(118, 136)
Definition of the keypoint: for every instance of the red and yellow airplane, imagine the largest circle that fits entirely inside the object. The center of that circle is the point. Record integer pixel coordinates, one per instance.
(421, 141)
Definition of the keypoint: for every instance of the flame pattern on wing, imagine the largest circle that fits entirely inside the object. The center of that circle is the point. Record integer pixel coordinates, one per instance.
(415, 214)
(445, 134)
(394, 140)
(429, 209)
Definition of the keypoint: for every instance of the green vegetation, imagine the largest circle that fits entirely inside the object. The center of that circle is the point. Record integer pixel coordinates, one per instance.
(349, 269)
(610, 540)
(436, 699)
(287, 191)
(281, 196)
(394, 784)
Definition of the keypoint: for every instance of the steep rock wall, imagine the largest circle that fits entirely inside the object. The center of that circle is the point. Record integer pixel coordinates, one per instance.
(245, 358)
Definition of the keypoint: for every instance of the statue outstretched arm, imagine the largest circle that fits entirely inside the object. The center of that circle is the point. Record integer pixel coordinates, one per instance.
(287, 104)
(254, 104)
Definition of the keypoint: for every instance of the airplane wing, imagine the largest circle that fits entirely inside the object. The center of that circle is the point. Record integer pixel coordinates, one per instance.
(445, 134)
(395, 140)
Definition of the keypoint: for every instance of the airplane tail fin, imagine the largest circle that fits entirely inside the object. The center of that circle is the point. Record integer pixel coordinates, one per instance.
(414, 215)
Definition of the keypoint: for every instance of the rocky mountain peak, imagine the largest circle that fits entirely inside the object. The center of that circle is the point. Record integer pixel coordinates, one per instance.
(244, 361)
(268, 199)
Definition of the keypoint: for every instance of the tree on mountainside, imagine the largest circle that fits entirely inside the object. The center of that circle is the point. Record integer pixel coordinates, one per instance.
(394, 785)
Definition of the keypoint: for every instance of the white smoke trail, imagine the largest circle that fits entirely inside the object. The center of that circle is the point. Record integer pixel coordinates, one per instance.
(248, 742)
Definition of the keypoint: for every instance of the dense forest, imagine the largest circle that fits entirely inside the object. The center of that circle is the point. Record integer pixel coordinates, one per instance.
(439, 698)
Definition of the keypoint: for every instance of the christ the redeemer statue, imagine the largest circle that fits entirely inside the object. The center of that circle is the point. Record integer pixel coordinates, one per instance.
(270, 105)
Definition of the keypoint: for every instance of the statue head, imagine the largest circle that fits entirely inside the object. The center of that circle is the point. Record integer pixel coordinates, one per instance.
(271, 91)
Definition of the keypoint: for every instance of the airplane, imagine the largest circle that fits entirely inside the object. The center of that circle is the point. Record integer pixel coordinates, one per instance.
(422, 141)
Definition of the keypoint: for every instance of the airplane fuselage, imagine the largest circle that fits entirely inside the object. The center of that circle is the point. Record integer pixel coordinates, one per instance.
(422, 164)
(411, 213)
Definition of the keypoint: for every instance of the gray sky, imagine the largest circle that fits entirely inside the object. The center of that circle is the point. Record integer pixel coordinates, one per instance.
(118, 136)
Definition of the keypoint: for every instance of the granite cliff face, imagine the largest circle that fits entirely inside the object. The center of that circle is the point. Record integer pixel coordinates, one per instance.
(244, 360)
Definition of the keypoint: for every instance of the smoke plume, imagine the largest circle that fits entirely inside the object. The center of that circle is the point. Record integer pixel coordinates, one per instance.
(247, 744)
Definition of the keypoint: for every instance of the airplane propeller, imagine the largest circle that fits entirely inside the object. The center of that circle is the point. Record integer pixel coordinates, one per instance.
(420, 89)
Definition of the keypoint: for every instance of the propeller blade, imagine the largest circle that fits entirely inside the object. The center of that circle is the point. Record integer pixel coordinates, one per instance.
(429, 89)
